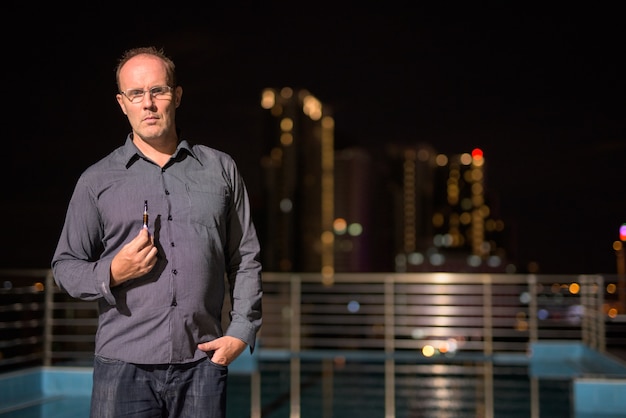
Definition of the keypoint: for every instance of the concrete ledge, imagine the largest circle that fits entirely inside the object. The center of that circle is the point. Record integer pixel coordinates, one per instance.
(597, 397)
(565, 359)
(598, 379)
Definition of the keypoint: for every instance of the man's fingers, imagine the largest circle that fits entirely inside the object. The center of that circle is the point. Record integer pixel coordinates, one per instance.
(142, 240)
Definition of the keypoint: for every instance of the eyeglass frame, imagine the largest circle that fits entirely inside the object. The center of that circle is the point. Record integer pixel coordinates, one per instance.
(139, 99)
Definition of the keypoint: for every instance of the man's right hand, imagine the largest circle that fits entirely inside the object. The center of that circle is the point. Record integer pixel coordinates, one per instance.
(135, 259)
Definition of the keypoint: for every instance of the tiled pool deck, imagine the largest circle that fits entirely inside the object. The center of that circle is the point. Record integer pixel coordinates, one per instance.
(597, 386)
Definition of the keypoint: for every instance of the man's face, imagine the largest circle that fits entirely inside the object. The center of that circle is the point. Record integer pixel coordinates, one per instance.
(152, 116)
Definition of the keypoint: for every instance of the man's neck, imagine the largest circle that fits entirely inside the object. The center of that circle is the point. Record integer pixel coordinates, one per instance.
(158, 150)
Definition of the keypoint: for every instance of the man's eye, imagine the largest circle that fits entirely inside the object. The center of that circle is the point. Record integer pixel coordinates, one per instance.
(158, 90)
(134, 93)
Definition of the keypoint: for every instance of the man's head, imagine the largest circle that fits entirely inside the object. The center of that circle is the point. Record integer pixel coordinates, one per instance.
(148, 94)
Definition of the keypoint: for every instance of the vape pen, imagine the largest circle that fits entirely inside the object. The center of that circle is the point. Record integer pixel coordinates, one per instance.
(145, 214)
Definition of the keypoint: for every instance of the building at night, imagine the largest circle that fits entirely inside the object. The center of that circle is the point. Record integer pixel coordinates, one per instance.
(336, 210)
(363, 222)
(298, 182)
(445, 221)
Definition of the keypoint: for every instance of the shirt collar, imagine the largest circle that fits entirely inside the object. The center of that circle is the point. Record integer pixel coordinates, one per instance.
(130, 152)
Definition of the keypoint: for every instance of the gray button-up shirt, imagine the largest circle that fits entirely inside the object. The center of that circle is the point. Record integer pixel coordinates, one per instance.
(199, 214)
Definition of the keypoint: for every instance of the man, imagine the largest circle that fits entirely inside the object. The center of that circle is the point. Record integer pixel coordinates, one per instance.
(151, 232)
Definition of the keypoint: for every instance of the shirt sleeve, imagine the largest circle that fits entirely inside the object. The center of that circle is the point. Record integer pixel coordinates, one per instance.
(244, 266)
(76, 263)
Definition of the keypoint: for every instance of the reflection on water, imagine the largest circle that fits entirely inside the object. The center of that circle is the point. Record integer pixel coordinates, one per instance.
(356, 389)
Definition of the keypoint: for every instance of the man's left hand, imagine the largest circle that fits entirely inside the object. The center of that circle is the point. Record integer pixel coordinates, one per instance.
(225, 349)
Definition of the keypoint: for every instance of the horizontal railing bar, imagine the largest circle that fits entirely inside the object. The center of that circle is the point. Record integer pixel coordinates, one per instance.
(71, 353)
(18, 342)
(74, 321)
(23, 307)
(29, 323)
(73, 338)
(20, 359)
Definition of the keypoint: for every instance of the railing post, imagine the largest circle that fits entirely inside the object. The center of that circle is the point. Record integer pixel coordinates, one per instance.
(48, 317)
(592, 300)
(390, 385)
(533, 332)
(294, 343)
(600, 314)
(488, 344)
(533, 336)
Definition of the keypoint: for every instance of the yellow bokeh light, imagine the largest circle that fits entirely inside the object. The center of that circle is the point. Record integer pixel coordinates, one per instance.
(521, 326)
(327, 237)
(286, 124)
(441, 160)
(466, 158)
(286, 92)
(312, 107)
(574, 288)
(286, 139)
(268, 99)
(428, 351)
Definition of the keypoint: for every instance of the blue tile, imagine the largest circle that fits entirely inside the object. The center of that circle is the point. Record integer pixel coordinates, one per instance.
(600, 396)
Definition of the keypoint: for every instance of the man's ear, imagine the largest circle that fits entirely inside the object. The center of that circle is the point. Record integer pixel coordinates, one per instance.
(178, 95)
(120, 101)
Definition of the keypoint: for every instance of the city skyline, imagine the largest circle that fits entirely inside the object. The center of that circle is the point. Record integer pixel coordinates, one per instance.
(407, 209)
(540, 94)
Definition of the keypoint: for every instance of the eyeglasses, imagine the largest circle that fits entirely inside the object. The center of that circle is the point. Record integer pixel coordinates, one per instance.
(156, 92)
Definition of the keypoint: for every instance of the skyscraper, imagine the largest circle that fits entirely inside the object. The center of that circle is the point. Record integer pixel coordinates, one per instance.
(299, 187)
(445, 222)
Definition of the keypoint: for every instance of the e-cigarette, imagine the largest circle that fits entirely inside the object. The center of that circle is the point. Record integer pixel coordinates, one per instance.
(145, 214)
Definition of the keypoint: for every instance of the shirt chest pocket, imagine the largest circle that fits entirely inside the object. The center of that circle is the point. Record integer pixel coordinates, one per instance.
(207, 206)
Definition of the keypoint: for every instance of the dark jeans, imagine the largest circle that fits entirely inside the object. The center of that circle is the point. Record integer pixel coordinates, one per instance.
(156, 391)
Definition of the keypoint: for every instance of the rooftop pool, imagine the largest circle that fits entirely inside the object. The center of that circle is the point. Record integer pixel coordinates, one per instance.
(556, 380)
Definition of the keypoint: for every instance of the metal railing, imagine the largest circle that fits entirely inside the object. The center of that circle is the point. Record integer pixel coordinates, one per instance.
(477, 313)
(392, 323)
(389, 323)
(380, 312)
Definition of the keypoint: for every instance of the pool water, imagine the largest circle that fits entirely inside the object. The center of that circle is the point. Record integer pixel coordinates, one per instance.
(560, 380)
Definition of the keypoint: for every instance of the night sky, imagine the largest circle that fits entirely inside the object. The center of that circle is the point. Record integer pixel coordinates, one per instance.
(541, 91)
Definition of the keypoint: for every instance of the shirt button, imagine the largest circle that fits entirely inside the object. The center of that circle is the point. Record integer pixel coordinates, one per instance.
(169, 217)
(174, 272)
(172, 244)
(167, 192)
